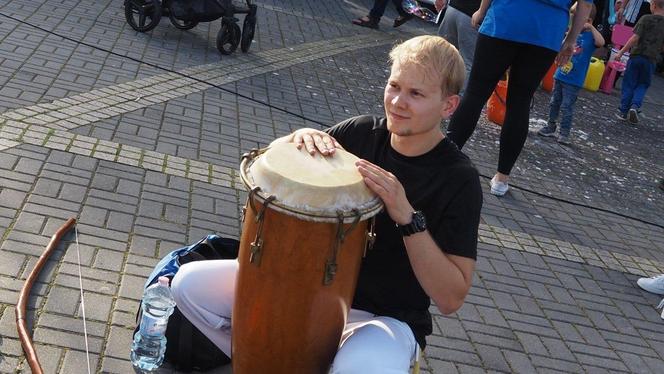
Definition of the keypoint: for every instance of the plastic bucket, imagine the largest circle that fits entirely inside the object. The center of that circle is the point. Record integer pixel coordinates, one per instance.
(496, 107)
(547, 81)
(594, 74)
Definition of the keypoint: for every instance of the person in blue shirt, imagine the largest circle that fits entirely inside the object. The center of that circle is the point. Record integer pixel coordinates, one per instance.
(569, 79)
(525, 36)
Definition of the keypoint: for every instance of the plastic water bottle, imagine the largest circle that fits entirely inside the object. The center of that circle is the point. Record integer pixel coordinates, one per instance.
(149, 346)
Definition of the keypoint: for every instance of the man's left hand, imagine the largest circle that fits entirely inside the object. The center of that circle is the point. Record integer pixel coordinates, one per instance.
(389, 189)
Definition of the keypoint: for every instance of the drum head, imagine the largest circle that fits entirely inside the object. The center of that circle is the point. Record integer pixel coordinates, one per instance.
(309, 185)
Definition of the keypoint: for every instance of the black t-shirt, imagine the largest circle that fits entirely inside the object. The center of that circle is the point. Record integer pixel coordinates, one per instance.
(444, 185)
(466, 6)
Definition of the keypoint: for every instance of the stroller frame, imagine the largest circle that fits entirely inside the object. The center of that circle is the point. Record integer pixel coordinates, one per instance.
(144, 15)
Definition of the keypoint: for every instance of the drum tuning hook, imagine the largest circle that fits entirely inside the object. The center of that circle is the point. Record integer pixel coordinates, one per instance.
(256, 246)
(331, 265)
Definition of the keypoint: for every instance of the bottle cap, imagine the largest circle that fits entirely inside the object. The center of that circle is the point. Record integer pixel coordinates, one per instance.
(163, 281)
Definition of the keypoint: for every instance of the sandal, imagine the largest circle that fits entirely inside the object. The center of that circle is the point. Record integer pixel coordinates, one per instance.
(366, 21)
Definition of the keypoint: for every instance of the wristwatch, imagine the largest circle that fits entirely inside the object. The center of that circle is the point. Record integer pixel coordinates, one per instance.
(417, 224)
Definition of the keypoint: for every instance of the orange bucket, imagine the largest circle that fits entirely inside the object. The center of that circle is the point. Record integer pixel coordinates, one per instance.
(547, 82)
(496, 105)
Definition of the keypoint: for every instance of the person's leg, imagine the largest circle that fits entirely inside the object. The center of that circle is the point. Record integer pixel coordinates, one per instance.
(628, 86)
(644, 75)
(529, 67)
(448, 28)
(492, 57)
(399, 5)
(570, 94)
(556, 101)
(467, 39)
(378, 9)
(554, 110)
(375, 345)
(204, 292)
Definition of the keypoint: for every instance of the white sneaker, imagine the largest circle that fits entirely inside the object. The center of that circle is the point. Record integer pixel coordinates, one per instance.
(661, 305)
(653, 285)
(499, 188)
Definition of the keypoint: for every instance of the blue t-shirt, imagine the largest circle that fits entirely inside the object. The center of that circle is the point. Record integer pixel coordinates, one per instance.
(538, 22)
(574, 72)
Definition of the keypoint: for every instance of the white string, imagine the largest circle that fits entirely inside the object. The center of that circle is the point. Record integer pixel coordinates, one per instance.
(80, 282)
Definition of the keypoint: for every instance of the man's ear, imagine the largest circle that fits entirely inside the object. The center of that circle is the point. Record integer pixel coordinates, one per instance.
(450, 104)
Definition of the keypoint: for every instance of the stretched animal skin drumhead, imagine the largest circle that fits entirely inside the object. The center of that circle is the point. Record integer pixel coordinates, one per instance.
(312, 183)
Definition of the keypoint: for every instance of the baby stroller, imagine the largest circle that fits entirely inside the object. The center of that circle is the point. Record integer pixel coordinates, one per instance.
(144, 15)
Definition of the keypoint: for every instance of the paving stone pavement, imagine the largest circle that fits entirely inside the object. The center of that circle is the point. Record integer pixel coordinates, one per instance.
(145, 156)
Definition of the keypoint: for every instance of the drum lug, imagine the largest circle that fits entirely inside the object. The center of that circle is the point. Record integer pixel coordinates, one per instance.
(331, 264)
(371, 236)
(256, 247)
(330, 272)
(256, 250)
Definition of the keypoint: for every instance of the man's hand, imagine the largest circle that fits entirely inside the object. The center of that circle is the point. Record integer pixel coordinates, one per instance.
(315, 141)
(389, 189)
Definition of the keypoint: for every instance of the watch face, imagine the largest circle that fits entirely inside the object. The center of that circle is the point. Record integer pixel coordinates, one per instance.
(419, 222)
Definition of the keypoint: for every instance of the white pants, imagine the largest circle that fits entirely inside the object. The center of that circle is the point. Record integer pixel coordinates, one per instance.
(205, 290)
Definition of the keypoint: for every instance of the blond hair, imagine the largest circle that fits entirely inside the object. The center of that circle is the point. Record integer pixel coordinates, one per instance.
(436, 56)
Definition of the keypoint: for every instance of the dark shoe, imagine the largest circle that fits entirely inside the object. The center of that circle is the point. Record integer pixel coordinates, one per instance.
(401, 20)
(633, 116)
(564, 139)
(548, 130)
(661, 184)
(621, 116)
(366, 21)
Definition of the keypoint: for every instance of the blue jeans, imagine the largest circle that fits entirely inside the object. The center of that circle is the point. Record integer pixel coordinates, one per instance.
(563, 99)
(636, 80)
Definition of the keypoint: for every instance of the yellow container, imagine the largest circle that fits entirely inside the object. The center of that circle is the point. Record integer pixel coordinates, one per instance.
(594, 74)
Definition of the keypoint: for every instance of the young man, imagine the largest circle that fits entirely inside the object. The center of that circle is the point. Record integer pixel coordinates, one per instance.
(426, 240)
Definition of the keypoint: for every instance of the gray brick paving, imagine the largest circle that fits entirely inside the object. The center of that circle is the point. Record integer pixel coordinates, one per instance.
(554, 289)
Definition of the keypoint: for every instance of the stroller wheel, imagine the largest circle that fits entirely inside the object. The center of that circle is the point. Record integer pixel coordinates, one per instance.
(248, 28)
(181, 24)
(142, 15)
(228, 37)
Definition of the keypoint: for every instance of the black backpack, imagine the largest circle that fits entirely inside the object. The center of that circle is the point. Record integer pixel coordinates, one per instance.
(186, 347)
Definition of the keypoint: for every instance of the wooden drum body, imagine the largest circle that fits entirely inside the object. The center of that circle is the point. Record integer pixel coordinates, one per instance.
(299, 263)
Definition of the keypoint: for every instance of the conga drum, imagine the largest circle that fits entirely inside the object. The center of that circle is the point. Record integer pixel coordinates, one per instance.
(307, 222)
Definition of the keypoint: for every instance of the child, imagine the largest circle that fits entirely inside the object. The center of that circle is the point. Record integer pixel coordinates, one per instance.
(569, 80)
(647, 43)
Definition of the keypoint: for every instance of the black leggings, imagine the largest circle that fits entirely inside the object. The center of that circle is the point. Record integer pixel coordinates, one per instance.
(528, 64)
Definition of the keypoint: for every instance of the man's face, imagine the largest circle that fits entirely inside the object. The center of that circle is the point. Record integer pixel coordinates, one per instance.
(414, 102)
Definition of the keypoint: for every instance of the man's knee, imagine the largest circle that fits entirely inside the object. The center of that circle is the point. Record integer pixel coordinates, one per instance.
(180, 283)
